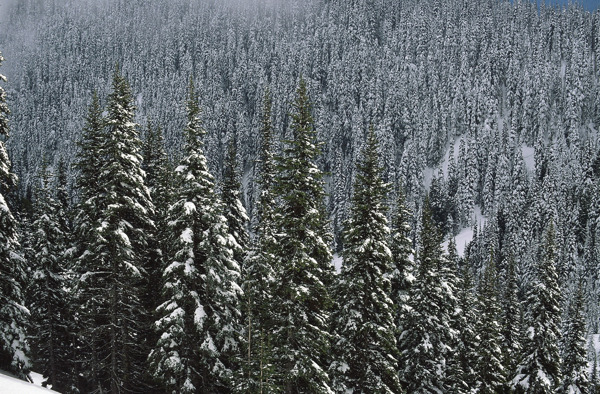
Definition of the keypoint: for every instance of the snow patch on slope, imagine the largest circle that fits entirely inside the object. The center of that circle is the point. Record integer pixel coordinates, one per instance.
(462, 239)
(451, 154)
(465, 235)
(337, 263)
(428, 173)
(529, 157)
(9, 384)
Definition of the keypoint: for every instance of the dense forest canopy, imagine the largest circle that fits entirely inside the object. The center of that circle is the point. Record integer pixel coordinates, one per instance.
(484, 120)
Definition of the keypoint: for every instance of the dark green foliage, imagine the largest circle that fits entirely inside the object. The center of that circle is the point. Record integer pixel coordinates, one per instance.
(575, 358)
(489, 368)
(511, 320)
(198, 321)
(539, 368)
(427, 334)
(159, 180)
(365, 351)
(402, 254)
(303, 260)
(49, 300)
(234, 211)
(462, 367)
(115, 226)
(259, 271)
(89, 158)
(13, 315)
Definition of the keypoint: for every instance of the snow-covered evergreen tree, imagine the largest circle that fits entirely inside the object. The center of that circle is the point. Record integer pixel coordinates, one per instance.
(89, 158)
(259, 269)
(13, 314)
(574, 358)
(365, 351)
(427, 334)
(462, 367)
(115, 221)
(234, 211)
(510, 320)
(489, 368)
(49, 298)
(159, 180)
(402, 257)
(303, 260)
(85, 292)
(539, 368)
(199, 317)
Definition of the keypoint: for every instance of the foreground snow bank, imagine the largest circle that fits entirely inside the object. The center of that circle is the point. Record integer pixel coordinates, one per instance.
(10, 385)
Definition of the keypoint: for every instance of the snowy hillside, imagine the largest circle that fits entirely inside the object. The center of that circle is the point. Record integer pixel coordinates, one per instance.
(11, 385)
(182, 182)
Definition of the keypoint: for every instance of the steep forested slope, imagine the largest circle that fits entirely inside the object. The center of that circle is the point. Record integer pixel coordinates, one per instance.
(491, 108)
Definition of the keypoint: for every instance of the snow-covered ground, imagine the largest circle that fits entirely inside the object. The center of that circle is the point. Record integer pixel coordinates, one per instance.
(528, 157)
(11, 385)
(465, 235)
(337, 263)
(462, 239)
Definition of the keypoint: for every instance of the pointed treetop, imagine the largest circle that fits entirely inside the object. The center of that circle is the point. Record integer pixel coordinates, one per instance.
(302, 117)
(193, 128)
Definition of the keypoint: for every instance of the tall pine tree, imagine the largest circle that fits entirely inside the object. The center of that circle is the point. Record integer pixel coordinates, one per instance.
(199, 319)
(512, 314)
(462, 367)
(112, 264)
(49, 304)
(575, 359)
(159, 182)
(366, 358)
(13, 315)
(402, 255)
(539, 368)
(490, 371)
(427, 334)
(234, 211)
(259, 270)
(85, 225)
(303, 259)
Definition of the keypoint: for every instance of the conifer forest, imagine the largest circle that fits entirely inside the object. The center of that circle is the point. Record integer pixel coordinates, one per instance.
(311, 196)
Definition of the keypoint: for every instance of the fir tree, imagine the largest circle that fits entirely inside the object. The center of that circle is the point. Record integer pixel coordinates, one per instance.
(490, 371)
(49, 298)
(594, 384)
(402, 252)
(235, 213)
(303, 259)
(86, 233)
(259, 270)
(116, 223)
(65, 215)
(89, 158)
(13, 315)
(539, 368)
(364, 325)
(198, 320)
(156, 165)
(159, 182)
(511, 319)
(462, 368)
(427, 334)
(574, 359)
